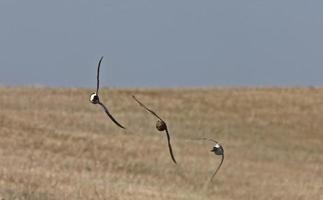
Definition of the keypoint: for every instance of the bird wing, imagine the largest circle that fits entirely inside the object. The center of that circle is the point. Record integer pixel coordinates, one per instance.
(111, 117)
(170, 147)
(145, 107)
(98, 77)
(217, 169)
(207, 139)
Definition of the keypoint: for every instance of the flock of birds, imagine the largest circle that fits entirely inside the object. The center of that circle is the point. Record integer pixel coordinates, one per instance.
(217, 148)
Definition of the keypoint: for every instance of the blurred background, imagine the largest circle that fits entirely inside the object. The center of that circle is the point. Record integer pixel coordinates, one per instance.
(161, 43)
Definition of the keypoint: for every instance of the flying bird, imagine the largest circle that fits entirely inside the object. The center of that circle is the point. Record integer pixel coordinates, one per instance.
(94, 97)
(160, 126)
(218, 150)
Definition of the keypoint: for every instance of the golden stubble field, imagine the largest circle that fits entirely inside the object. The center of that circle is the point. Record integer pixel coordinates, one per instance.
(56, 145)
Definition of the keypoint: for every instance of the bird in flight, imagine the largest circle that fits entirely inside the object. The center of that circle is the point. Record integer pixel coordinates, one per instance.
(94, 97)
(217, 149)
(160, 126)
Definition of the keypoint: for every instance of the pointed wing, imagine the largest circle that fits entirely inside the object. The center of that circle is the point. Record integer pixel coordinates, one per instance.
(170, 147)
(110, 116)
(98, 77)
(149, 110)
(217, 169)
(207, 139)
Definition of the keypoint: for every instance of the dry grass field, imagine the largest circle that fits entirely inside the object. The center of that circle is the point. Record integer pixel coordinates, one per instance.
(56, 145)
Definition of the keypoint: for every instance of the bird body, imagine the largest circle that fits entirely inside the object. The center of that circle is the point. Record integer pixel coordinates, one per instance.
(218, 149)
(161, 125)
(94, 98)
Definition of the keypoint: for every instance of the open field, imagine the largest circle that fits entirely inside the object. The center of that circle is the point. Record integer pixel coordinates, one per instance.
(56, 145)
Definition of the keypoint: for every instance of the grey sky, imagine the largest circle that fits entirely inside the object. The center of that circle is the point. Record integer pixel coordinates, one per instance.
(168, 43)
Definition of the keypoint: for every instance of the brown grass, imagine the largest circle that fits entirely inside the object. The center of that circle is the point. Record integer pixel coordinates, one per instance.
(56, 145)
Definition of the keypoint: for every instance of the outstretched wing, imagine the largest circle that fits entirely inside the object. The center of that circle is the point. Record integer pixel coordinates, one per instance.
(170, 147)
(111, 117)
(145, 107)
(207, 139)
(98, 77)
(217, 169)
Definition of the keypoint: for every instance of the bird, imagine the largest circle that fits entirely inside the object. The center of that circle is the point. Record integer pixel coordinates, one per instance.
(160, 126)
(94, 97)
(217, 149)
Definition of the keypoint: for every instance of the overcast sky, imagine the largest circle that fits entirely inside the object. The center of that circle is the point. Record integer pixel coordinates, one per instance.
(161, 43)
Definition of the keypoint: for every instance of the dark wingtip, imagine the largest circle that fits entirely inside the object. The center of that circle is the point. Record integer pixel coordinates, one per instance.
(100, 61)
(117, 123)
